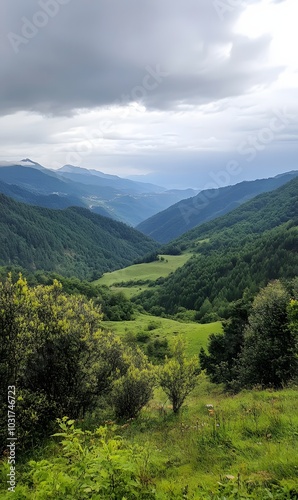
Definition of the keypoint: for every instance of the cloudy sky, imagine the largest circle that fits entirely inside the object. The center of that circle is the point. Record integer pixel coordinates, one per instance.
(192, 92)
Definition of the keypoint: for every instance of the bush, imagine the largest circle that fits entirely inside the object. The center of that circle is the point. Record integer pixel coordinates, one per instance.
(178, 376)
(58, 357)
(97, 465)
(133, 390)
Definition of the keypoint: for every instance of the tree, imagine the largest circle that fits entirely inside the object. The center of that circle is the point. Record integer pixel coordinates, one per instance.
(223, 349)
(178, 376)
(269, 354)
(134, 389)
(54, 351)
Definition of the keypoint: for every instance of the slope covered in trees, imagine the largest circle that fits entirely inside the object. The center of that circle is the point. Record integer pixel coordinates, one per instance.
(41, 200)
(242, 250)
(73, 242)
(206, 206)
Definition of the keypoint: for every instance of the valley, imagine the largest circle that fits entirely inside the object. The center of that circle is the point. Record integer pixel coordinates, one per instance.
(170, 368)
(149, 250)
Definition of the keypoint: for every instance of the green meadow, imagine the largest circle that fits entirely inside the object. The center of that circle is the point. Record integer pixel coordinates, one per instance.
(196, 335)
(150, 271)
(245, 447)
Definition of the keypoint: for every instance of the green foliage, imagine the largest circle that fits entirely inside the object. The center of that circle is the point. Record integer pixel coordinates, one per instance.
(151, 257)
(72, 242)
(134, 389)
(98, 465)
(115, 306)
(178, 375)
(245, 447)
(138, 277)
(293, 316)
(195, 334)
(269, 354)
(54, 351)
(223, 349)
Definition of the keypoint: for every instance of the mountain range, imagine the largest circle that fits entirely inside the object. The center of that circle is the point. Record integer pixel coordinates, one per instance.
(207, 205)
(121, 199)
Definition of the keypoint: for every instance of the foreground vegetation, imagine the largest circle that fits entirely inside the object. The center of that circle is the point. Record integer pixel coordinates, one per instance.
(130, 415)
(244, 447)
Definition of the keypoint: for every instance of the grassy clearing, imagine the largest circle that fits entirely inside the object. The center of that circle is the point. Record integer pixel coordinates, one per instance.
(129, 291)
(149, 271)
(195, 334)
(249, 441)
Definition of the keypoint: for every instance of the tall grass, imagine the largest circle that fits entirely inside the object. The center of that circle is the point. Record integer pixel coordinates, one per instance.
(245, 445)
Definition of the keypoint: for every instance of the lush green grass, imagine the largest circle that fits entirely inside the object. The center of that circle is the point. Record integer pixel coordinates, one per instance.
(245, 447)
(248, 441)
(143, 272)
(195, 334)
(129, 291)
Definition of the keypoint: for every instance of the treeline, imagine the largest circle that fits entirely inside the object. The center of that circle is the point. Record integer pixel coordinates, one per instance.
(71, 242)
(259, 346)
(114, 305)
(220, 274)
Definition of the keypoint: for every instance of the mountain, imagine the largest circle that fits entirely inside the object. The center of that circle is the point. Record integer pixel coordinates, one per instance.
(50, 201)
(121, 199)
(207, 205)
(72, 242)
(36, 180)
(239, 251)
(86, 176)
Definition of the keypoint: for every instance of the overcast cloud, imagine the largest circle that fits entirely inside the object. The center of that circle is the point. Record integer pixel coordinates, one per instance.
(167, 87)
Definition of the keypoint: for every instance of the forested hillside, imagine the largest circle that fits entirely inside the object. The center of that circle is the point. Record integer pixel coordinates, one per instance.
(206, 206)
(73, 242)
(240, 251)
(41, 200)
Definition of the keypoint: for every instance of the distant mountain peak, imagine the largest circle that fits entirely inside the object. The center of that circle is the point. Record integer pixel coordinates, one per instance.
(27, 160)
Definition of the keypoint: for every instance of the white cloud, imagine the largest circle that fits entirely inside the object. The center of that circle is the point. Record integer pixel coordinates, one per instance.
(144, 86)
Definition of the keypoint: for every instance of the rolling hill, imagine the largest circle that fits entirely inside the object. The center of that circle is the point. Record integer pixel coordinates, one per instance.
(72, 242)
(207, 205)
(239, 251)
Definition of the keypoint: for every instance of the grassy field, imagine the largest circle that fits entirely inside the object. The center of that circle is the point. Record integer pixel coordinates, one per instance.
(143, 272)
(246, 446)
(195, 334)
